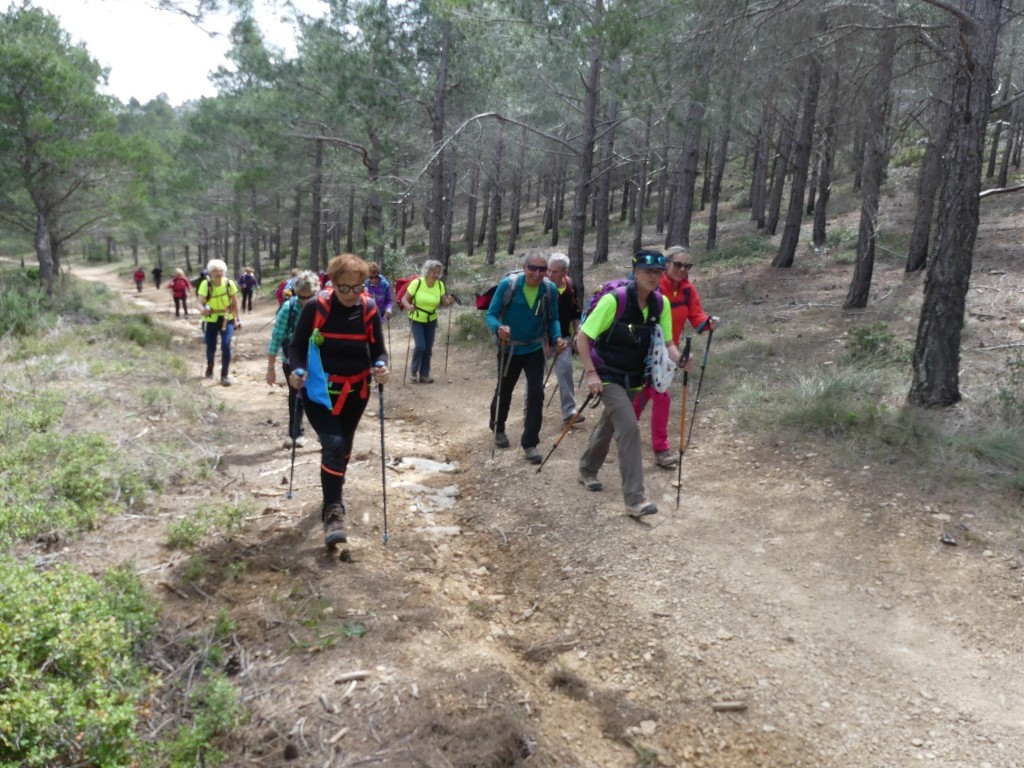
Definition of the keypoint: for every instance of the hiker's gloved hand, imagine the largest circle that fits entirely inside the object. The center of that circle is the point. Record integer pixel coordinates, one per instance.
(504, 332)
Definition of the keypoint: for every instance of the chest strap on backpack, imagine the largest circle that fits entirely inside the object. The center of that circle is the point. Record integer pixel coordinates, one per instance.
(347, 385)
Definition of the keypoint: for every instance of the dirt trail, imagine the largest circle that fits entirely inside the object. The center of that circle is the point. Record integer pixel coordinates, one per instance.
(517, 618)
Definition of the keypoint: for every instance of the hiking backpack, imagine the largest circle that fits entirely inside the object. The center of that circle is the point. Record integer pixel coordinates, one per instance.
(549, 296)
(401, 288)
(618, 288)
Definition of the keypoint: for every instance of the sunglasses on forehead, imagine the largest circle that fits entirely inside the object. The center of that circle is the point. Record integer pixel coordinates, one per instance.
(649, 259)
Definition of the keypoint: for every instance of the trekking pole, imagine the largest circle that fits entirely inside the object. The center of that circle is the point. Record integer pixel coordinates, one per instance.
(568, 427)
(700, 383)
(497, 396)
(383, 476)
(293, 427)
(389, 335)
(682, 423)
(408, 345)
(448, 339)
(547, 376)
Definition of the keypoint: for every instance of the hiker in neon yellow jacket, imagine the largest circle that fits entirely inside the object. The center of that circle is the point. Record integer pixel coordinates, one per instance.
(338, 346)
(218, 303)
(422, 298)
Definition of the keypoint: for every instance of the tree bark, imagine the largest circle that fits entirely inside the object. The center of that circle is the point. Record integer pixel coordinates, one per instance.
(782, 160)
(494, 203)
(682, 207)
(317, 203)
(828, 159)
(602, 196)
(929, 177)
(801, 161)
(876, 137)
(515, 207)
(471, 206)
(439, 178)
(937, 349)
(717, 174)
(592, 92)
(640, 197)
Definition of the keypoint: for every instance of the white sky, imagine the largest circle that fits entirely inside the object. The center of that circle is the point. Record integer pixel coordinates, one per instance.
(149, 51)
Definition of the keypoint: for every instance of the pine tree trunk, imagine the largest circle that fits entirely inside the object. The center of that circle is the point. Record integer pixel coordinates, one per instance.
(471, 206)
(875, 157)
(315, 227)
(592, 92)
(801, 162)
(717, 174)
(682, 207)
(828, 159)
(782, 161)
(602, 197)
(640, 197)
(494, 204)
(937, 349)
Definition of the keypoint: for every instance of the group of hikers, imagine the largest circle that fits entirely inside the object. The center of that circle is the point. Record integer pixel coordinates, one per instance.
(328, 336)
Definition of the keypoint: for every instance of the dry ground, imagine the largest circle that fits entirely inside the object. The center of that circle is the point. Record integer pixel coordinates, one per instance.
(513, 618)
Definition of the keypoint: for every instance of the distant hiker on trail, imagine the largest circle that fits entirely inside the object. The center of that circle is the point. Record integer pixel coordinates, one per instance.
(422, 298)
(179, 288)
(140, 278)
(337, 347)
(248, 283)
(306, 287)
(380, 289)
(615, 368)
(157, 274)
(568, 317)
(523, 315)
(684, 300)
(218, 303)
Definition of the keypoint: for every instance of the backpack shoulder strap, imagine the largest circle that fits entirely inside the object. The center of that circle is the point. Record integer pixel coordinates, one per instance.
(323, 309)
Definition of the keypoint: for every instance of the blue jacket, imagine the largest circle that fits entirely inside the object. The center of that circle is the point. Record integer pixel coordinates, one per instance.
(527, 323)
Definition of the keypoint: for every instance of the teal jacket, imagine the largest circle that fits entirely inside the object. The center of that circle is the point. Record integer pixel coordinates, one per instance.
(529, 324)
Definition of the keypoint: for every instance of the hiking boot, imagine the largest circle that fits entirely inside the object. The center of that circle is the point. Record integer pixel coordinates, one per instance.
(334, 524)
(666, 459)
(300, 441)
(209, 370)
(532, 455)
(426, 380)
(225, 381)
(590, 482)
(501, 440)
(580, 418)
(641, 509)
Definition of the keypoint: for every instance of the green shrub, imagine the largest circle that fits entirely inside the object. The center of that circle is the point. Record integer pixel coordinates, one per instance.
(215, 712)
(22, 302)
(1011, 390)
(69, 681)
(138, 329)
(873, 342)
(52, 480)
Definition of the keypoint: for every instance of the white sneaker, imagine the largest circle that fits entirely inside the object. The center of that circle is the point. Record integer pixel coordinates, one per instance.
(300, 441)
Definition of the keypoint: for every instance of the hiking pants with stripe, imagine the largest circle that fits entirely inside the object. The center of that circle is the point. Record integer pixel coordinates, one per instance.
(336, 435)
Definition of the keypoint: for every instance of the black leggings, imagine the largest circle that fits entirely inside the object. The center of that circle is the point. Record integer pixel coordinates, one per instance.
(336, 434)
(180, 303)
(247, 299)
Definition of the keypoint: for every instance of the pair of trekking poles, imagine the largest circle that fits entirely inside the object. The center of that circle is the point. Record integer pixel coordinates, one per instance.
(293, 428)
(684, 435)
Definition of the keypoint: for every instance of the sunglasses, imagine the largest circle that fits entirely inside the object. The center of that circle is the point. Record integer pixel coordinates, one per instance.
(649, 259)
(307, 297)
(342, 288)
(536, 268)
(681, 264)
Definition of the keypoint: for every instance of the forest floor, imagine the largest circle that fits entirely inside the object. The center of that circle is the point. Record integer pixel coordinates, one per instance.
(798, 609)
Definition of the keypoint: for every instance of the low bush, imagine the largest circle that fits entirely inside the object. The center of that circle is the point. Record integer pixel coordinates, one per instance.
(70, 679)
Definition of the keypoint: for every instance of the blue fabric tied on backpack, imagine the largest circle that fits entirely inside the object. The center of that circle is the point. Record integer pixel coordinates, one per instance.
(316, 379)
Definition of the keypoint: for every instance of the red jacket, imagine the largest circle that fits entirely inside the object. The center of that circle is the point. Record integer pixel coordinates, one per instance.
(685, 303)
(139, 276)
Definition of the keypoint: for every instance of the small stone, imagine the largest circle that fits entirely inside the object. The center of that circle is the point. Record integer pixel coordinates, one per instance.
(917, 742)
(724, 634)
(647, 727)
